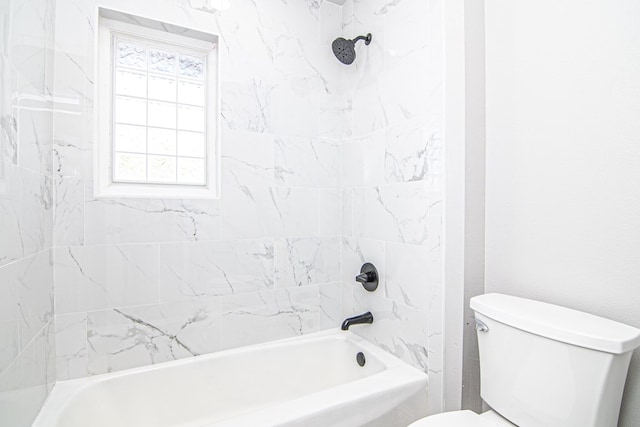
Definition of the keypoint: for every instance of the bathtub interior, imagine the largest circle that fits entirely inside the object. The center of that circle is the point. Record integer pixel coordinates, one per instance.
(221, 386)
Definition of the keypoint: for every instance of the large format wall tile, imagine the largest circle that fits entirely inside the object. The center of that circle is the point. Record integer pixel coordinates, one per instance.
(268, 315)
(250, 212)
(307, 162)
(11, 245)
(99, 277)
(68, 215)
(190, 270)
(399, 329)
(26, 383)
(9, 315)
(306, 261)
(111, 220)
(27, 345)
(414, 153)
(397, 212)
(34, 276)
(124, 338)
(71, 346)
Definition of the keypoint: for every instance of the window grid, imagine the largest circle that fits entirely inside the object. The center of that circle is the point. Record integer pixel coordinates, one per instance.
(178, 103)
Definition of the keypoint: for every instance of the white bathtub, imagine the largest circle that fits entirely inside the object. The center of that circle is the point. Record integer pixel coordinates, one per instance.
(313, 380)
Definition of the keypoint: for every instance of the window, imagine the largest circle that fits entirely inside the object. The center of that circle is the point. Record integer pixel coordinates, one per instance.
(156, 114)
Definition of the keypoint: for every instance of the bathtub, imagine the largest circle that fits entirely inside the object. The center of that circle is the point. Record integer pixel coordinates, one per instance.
(313, 380)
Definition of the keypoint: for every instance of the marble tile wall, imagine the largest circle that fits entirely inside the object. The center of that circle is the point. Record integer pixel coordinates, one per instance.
(141, 281)
(27, 341)
(392, 161)
(323, 167)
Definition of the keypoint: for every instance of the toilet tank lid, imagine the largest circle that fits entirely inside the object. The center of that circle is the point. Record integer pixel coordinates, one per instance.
(558, 323)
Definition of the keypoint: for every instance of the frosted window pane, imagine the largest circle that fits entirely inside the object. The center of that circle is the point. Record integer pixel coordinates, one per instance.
(131, 110)
(162, 169)
(191, 66)
(131, 83)
(131, 55)
(190, 118)
(130, 167)
(162, 61)
(190, 93)
(190, 144)
(162, 88)
(191, 171)
(162, 141)
(131, 138)
(162, 114)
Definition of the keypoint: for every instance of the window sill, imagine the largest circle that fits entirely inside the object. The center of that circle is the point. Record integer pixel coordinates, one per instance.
(151, 191)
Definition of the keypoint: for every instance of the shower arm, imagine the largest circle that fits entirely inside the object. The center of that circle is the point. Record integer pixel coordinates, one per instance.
(367, 39)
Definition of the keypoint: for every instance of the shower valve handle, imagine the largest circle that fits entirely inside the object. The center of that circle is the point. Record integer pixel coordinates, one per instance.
(368, 277)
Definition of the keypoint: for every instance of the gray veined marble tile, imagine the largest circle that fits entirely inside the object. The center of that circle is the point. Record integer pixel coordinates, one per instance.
(414, 152)
(329, 212)
(330, 21)
(12, 245)
(335, 116)
(10, 320)
(36, 212)
(292, 19)
(73, 88)
(254, 212)
(8, 119)
(31, 31)
(307, 162)
(306, 65)
(247, 159)
(369, 110)
(71, 346)
(26, 383)
(34, 276)
(293, 111)
(72, 145)
(410, 91)
(137, 336)
(111, 220)
(390, 317)
(268, 315)
(396, 212)
(407, 276)
(246, 47)
(307, 261)
(362, 160)
(35, 131)
(330, 306)
(246, 105)
(192, 270)
(347, 212)
(99, 277)
(68, 217)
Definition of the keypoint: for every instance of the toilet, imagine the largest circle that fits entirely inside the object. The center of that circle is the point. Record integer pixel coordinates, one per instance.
(542, 365)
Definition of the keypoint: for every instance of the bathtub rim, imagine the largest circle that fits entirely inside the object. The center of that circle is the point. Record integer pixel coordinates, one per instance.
(395, 374)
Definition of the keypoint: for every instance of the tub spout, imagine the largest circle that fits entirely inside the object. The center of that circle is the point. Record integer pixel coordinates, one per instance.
(356, 320)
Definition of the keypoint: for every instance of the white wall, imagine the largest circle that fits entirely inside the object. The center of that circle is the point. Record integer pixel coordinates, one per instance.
(563, 158)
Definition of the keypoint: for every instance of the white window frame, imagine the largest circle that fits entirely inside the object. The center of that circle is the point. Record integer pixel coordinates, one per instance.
(104, 186)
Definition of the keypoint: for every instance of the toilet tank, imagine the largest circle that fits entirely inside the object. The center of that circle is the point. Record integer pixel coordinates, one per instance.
(542, 365)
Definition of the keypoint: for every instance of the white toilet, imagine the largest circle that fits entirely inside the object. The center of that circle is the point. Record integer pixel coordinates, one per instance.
(545, 366)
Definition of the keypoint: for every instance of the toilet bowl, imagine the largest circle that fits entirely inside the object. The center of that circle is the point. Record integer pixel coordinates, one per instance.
(542, 365)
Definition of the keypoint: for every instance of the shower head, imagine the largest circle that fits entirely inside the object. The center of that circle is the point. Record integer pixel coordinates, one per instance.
(345, 50)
